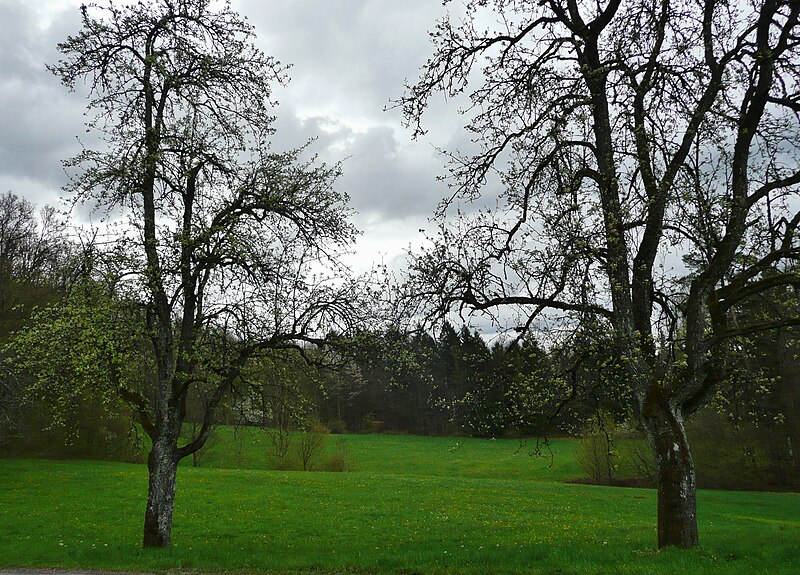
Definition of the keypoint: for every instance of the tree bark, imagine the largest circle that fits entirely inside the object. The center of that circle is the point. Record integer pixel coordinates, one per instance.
(677, 484)
(163, 465)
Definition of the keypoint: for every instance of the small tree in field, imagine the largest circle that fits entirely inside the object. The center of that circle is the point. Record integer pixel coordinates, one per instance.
(310, 443)
(221, 233)
(283, 402)
(648, 151)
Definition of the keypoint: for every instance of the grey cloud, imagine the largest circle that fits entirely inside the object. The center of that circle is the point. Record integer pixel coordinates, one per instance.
(294, 132)
(383, 179)
(40, 119)
(386, 178)
(354, 53)
(350, 58)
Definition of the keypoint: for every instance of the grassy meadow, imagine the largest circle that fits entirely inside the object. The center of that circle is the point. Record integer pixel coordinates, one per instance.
(409, 505)
(381, 454)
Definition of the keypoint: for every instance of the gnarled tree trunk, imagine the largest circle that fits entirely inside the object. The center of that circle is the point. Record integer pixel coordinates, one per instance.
(677, 484)
(163, 465)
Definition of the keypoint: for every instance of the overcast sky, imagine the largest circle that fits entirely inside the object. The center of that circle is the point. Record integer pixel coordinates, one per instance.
(350, 58)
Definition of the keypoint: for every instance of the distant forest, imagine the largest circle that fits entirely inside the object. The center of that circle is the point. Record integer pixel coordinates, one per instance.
(447, 381)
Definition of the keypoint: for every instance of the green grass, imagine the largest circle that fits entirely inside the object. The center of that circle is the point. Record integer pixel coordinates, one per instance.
(412, 455)
(411, 505)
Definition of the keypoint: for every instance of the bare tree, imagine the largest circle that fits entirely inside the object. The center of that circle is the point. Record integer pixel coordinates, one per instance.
(283, 405)
(648, 151)
(310, 443)
(222, 234)
(33, 250)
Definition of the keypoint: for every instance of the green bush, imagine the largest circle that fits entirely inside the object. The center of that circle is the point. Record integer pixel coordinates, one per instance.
(340, 460)
(612, 453)
(337, 426)
(310, 443)
(597, 454)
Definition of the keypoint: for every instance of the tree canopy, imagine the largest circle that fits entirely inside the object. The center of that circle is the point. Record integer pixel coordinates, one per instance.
(648, 153)
(230, 248)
